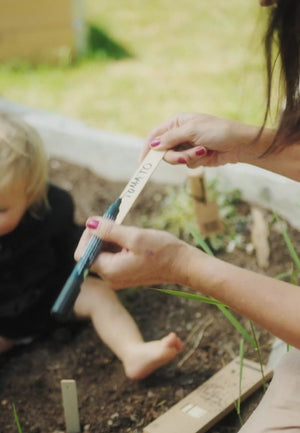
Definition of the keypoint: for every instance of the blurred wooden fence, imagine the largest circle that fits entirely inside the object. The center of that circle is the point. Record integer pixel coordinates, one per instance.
(38, 30)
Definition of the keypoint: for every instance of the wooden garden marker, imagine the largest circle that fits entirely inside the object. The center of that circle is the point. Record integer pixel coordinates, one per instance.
(206, 212)
(136, 184)
(259, 237)
(70, 405)
(211, 401)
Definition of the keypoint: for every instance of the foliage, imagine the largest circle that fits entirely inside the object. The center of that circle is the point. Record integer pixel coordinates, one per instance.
(176, 213)
(291, 249)
(102, 46)
(177, 216)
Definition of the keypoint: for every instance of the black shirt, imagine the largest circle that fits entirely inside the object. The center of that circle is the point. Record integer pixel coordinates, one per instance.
(35, 260)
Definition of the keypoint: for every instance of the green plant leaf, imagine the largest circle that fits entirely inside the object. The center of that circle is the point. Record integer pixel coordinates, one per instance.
(283, 275)
(200, 241)
(17, 419)
(237, 325)
(221, 307)
(259, 356)
(288, 242)
(195, 297)
(238, 403)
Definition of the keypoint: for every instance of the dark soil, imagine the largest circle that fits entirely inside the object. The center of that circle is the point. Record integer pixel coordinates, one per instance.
(109, 402)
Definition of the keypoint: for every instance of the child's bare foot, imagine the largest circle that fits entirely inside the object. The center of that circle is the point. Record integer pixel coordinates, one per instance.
(144, 358)
(5, 344)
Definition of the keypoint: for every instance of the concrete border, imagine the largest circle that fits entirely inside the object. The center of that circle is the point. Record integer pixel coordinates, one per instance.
(110, 155)
(114, 156)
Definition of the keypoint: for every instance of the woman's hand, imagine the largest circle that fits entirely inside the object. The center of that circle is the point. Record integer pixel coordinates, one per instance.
(201, 139)
(141, 257)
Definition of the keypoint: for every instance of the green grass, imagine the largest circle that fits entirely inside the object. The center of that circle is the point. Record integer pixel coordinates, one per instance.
(16, 418)
(149, 60)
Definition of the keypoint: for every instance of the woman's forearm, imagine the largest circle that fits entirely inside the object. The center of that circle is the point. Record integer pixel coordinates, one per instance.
(285, 162)
(149, 257)
(271, 303)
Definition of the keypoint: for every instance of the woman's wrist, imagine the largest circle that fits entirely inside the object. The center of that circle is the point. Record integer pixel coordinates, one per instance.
(252, 142)
(194, 269)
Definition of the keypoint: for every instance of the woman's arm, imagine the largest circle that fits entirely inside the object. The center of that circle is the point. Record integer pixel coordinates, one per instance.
(148, 257)
(271, 303)
(286, 162)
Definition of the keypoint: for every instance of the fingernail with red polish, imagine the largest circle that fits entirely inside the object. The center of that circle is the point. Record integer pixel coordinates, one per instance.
(210, 152)
(155, 142)
(200, 151)
(181, 160)
(92, 224)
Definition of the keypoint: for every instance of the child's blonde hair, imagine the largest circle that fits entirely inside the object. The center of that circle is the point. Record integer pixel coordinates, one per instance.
(22, 157)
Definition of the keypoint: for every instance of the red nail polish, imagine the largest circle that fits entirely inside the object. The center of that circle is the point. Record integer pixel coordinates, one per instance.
(181, 160)
(155, 142)
(210, 152)
(200, 151)
(92, 224)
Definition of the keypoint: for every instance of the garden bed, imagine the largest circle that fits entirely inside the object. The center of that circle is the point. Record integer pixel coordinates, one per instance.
(108, 401)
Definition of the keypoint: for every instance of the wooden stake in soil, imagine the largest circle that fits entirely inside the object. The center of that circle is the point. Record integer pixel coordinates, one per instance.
(211, 401)
(259, 237)
(70, 405)
(206, 212)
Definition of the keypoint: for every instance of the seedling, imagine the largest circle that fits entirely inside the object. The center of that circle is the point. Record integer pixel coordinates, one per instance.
(17, 419)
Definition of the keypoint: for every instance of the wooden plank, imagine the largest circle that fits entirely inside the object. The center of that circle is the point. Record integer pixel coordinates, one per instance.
(19, 14)
(211, 401)
(70, 405)
(36, 45)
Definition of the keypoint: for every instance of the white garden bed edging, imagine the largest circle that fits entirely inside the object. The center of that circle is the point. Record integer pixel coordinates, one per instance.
(114, 156)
